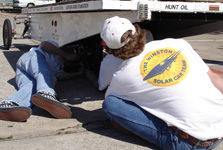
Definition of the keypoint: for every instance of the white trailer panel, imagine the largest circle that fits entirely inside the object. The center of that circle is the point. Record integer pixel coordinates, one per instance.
(72, 21)
(65, 28)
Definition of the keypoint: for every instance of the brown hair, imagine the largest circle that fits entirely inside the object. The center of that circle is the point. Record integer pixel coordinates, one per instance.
(133, 48)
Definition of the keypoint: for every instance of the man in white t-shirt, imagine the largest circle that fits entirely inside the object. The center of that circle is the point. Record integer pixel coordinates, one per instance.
(36, 74)
(161, 91)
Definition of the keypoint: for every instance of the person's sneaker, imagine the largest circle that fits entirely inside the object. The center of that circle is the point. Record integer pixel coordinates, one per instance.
(50, 103)
(11, 111)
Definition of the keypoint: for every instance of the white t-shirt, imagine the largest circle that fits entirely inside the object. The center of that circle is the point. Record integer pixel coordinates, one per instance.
(107, 72)
(169, 80)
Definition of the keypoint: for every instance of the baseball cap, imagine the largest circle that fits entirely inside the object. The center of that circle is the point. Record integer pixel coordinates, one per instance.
(113, 29)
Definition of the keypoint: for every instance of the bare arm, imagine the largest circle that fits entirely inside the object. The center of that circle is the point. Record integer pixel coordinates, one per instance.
(50, 48)
(216, 80)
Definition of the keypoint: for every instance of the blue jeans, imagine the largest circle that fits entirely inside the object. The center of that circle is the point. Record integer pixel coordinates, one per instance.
(33, 74)
(147, 126)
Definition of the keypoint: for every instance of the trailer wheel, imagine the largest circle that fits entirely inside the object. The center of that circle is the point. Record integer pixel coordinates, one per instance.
(7, 34)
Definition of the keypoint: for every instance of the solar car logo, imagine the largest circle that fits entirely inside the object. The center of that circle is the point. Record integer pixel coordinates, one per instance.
(164, 67)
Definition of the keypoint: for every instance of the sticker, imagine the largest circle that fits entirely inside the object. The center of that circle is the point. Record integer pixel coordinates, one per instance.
(164, 67)
(176, 7)
(214, 7)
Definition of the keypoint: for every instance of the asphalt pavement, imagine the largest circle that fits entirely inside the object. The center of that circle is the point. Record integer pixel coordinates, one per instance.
(88, 129)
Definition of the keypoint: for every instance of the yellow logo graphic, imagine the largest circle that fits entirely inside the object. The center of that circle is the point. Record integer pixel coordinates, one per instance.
(164, 67)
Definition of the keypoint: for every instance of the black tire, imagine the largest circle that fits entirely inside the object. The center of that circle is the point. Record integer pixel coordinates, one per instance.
(7, 34)
(30, 5)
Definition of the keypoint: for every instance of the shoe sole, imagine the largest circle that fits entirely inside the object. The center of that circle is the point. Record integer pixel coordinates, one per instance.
(55, 108)
(17, 114)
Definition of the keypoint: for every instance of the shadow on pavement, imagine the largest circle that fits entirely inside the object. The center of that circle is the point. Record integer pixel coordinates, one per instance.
(213, 62)
(21, 47)
(81, 91)
(13, 56)
(102, 126)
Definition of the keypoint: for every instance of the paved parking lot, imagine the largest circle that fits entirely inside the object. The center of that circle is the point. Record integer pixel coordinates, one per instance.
(88, 128)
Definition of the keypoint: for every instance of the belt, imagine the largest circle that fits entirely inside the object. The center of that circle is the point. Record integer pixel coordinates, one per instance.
(195, 140)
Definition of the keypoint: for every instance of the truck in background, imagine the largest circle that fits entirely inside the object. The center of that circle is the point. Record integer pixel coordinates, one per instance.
(31, 3)
(6, 3)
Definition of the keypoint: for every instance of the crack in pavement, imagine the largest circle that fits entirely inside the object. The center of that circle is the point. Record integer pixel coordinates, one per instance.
(98, 125)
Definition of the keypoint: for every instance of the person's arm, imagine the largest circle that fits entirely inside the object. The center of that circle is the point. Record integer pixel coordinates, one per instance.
(50, 48)
(216, 80)
(109, 66)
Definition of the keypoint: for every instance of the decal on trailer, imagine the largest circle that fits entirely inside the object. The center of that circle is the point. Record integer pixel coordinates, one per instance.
(56, 36)
(214, 7)
(176, 7)
(180, 7)
(64, 8)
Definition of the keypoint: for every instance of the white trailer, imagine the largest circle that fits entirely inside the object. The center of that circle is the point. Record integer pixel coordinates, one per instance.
(78, 23)
(76, 20)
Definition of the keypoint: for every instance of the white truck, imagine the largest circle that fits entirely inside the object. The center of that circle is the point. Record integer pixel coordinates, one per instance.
(31, 3)
(76, 24)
